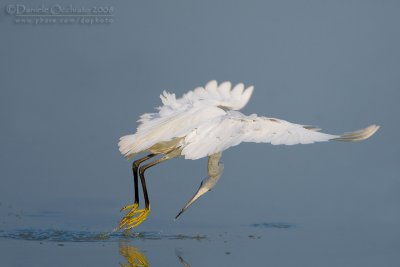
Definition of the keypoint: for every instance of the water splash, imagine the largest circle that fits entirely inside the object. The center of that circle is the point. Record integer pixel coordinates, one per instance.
(88, 236)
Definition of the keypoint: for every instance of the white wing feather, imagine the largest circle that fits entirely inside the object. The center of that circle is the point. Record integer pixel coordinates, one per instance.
(178, 117)
(208, 122)
(234, 128)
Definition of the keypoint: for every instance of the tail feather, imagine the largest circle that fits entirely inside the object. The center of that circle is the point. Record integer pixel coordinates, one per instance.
(127, 145)
(358, 135)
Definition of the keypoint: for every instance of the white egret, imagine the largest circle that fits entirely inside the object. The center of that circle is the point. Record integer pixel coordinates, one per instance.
(203, 123)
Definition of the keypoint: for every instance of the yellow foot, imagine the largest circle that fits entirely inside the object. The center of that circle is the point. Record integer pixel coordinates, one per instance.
(132, 207)
(134, 217)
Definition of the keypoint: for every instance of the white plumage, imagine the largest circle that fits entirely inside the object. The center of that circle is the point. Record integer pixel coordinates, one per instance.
(208, 121)
(205, 122)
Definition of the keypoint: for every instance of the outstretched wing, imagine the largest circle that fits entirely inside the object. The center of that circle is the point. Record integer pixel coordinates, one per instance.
(179, 116)
(234, 128)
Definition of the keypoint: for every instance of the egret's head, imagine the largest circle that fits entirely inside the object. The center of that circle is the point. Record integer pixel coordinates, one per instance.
(206, 185)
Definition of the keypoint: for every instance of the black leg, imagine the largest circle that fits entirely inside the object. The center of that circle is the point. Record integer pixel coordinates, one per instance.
(135, 167)
(135, 216)
(142, 178)
(133, 207)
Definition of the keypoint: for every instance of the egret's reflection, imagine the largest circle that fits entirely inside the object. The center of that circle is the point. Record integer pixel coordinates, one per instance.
(135, 258)
(183, 262)
(132, 254)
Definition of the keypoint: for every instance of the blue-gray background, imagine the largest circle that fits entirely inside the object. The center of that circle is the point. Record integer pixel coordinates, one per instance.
(68, 92)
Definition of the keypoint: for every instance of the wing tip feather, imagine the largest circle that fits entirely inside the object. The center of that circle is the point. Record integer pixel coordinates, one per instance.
(359, 135)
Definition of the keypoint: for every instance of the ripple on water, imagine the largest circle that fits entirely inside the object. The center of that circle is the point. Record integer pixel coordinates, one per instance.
(278, 225)
(88, 236)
